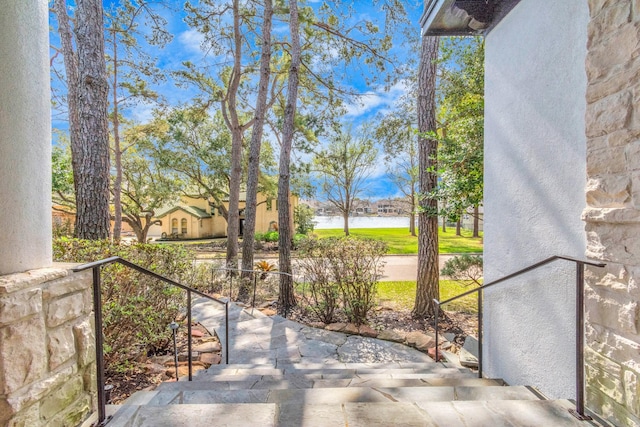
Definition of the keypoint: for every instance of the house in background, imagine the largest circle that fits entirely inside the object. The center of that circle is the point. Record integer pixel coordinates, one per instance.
(64, 218)
(562, 176)
(200, 219)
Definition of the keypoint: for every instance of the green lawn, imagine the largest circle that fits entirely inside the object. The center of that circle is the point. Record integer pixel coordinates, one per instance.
(401, 295)
(400, 241)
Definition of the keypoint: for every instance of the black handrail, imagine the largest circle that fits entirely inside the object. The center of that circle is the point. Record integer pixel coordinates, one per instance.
(97, 308)
(255, 280)
(580, 264)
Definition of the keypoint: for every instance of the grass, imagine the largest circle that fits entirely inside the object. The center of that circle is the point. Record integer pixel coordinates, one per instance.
(401, 295)
(399, 241)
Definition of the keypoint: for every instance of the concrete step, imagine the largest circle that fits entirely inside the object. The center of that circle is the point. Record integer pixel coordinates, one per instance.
(293, 381)
(332, 371)
(316, 396)
(495, 413)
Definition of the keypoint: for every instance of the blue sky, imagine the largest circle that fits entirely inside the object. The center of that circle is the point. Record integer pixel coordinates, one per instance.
(186, 45)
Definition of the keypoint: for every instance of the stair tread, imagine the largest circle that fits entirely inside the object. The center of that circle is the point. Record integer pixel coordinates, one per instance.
(355, 414)
(333, 373)
(341, 395)
(302, 382)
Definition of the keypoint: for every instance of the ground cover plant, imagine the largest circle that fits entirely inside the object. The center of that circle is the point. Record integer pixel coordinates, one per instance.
(399, 241)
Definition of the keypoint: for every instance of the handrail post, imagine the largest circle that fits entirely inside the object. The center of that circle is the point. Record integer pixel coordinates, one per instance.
(97, 313)
(255, 286)
(579, 412)
(437, 328)
(480, 315)
(189, 339)
(226, 331)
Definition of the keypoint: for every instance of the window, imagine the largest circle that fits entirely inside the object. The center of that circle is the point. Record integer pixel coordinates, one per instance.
(183, 226)
(174, 226)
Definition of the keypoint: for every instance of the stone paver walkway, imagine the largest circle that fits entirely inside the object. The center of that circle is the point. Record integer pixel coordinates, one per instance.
(258, 339)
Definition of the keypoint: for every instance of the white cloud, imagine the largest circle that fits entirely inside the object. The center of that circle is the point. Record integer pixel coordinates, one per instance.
(378, 100)
(143, 113)
(192, 40)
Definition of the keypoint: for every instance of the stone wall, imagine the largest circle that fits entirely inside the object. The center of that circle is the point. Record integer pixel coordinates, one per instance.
(47, 348)
(612, 214)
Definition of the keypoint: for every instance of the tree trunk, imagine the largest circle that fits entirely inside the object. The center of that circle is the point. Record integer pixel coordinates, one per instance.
(459, 227)
(117, 153)
(412, 214)
(71, 70)
(286, 298)
(476, 221)
(92, 196)
(256, 142)
(428, 275)
(345, 219)
(233, 222)
(444, 224)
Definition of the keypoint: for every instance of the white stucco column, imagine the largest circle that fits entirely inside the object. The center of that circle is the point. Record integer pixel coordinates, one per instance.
(25, 136)
(535, 167)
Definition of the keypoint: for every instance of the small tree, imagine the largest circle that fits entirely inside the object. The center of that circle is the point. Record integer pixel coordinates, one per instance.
(145, 188)
(303, 218)
(343, 168)
(466, 269)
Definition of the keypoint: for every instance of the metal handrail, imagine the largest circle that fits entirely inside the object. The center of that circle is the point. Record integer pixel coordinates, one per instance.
(255, 279)
(580, 264)
(97, 309)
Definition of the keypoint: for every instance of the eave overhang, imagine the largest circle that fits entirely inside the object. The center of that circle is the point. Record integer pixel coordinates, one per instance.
(463, 17)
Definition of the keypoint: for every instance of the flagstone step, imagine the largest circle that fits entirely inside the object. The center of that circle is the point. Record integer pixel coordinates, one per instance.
(315, 396)
(331, 371)
(494, 413)
(302, 382)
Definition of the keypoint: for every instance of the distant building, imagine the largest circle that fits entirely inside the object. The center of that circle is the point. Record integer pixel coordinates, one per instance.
(198, 218)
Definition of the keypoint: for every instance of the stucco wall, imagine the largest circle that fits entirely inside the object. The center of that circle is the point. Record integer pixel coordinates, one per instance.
(534, 190)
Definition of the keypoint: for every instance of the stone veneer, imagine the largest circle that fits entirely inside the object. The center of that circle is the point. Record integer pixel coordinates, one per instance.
(612, 214)
(47, 348)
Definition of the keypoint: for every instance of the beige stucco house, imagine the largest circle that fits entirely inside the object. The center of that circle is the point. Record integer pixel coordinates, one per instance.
(199, 218)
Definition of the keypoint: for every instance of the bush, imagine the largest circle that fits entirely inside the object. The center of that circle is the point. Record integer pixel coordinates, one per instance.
(323, 297)
(136, 308)
(303, 218)
(466, 269)
(341, 272)
(271, 236)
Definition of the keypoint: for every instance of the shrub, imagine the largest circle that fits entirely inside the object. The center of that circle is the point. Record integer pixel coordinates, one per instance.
(303, 218)
(321, 294)
(466, 269)
(341, 272)
(136, 307)
(271, 236)
(265, 267)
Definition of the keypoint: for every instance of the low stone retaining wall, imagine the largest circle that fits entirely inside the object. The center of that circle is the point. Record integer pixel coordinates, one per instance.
(47, 348)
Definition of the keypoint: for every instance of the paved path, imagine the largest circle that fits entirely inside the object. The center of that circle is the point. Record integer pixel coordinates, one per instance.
(257, 339)
(405, 267)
